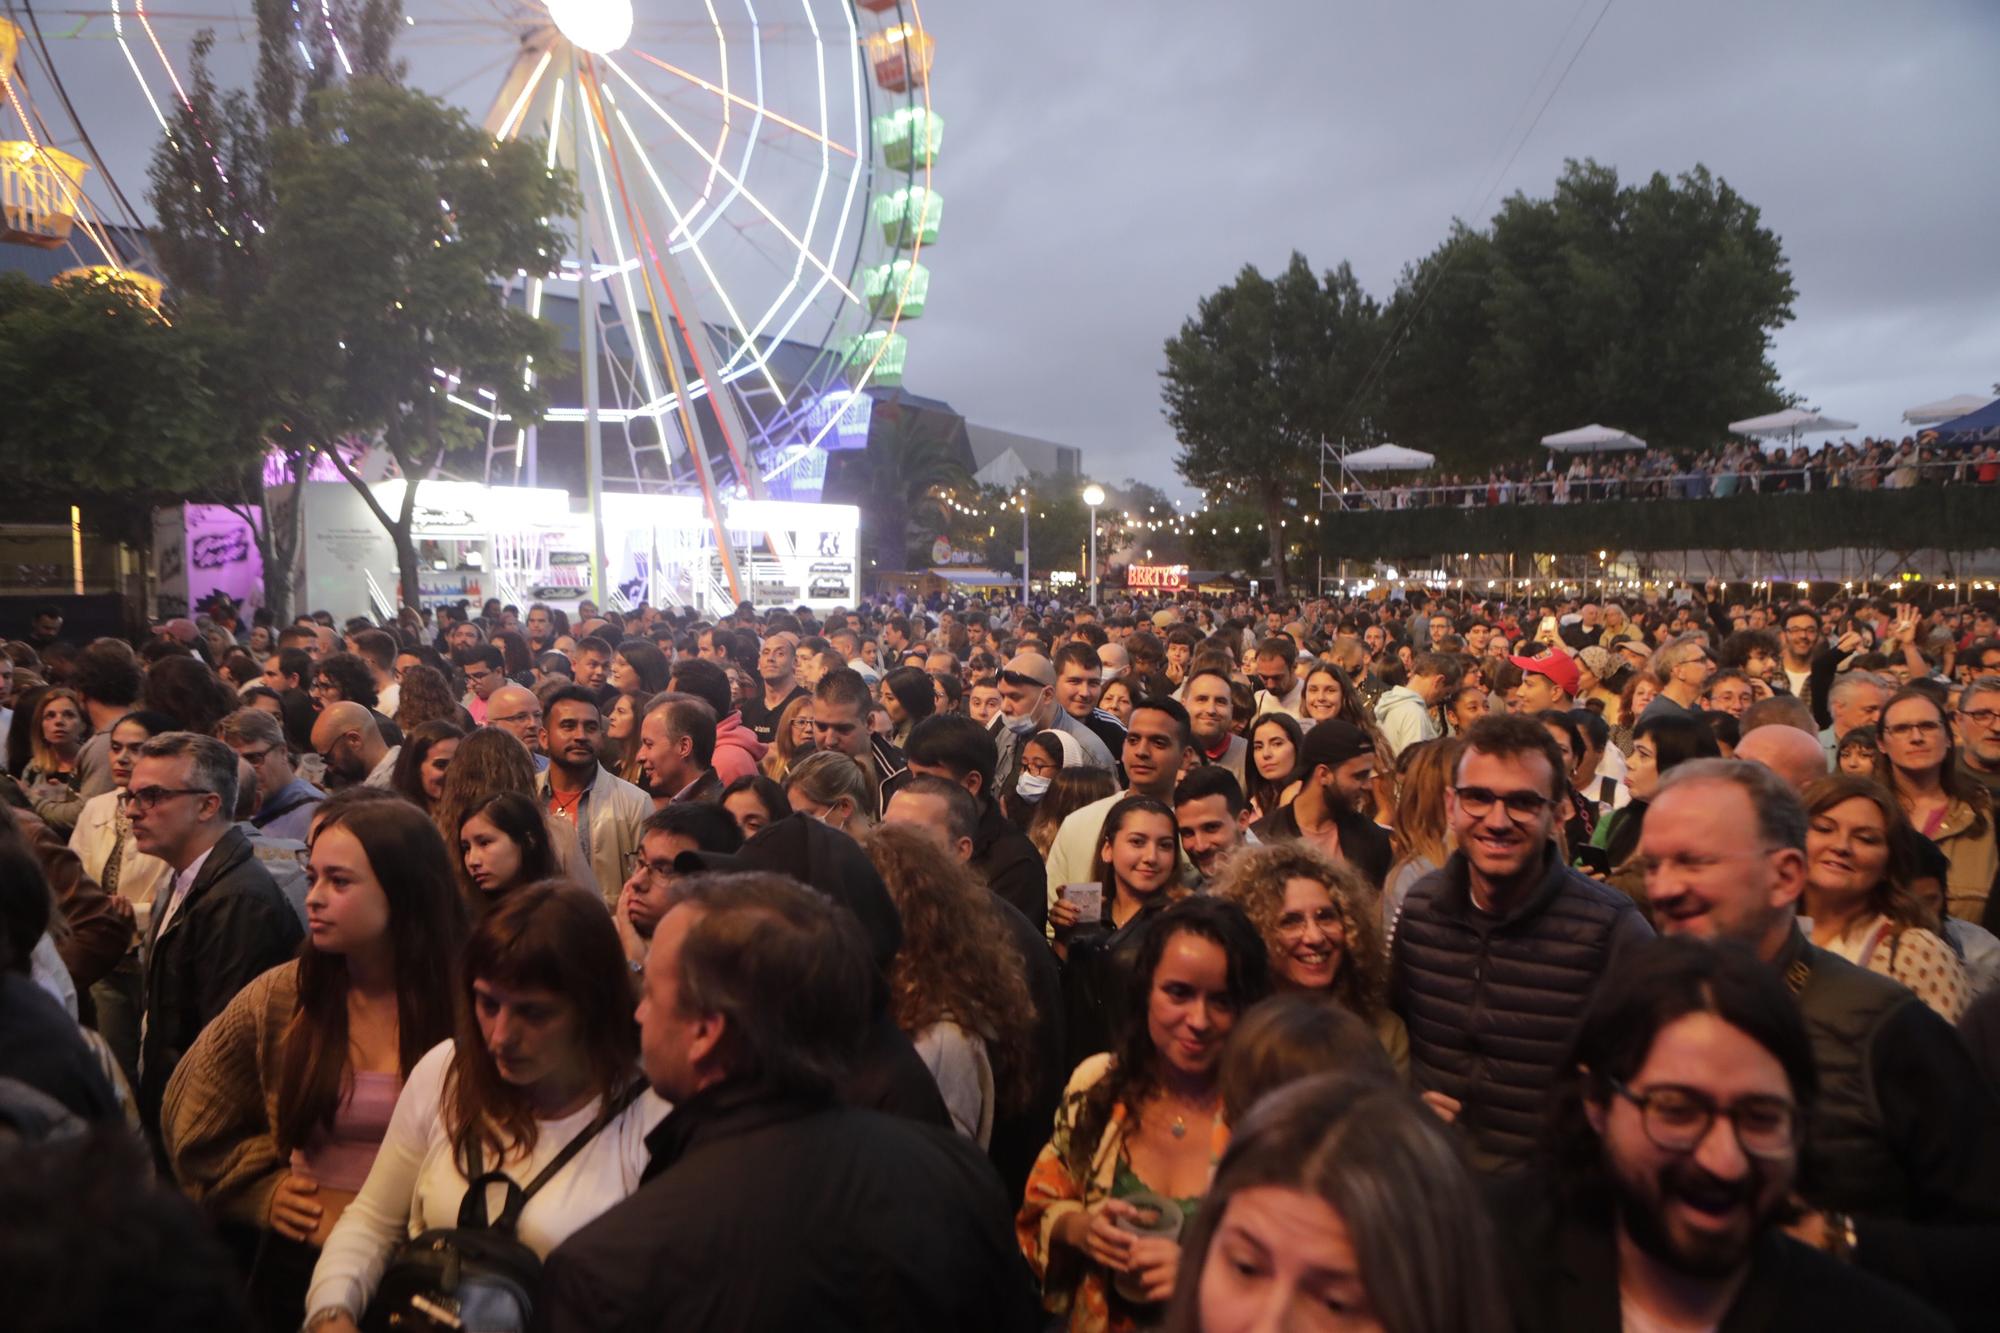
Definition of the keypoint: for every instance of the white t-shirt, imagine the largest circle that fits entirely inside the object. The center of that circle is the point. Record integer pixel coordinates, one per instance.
(416, 1184)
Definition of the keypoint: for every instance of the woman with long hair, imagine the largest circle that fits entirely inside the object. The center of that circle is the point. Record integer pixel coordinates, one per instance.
(487, 763)
(947, 692)
(1640, 690)
(1137, 859)
(273, 1118)
(545, 1052)
(1274, 774)
(957, 988)
(620, 751)
(1329, 693)
(423, 761)
(908, 696)
(1356, 1204)
(57, 729)
(791, 738)
(503, 845)
(425, 696)
(1919, 763)
(1316, 921)
(1069, 791)
(515, 659)
(1859, 868)
(1140, 1127)
(755, 802)
(639, 669)
(830, 786)
(1420, 829)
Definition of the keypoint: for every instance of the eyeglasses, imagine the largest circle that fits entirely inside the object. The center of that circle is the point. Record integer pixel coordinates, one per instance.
(1522, 806)
(147, 798)
(1677, 1119)
(1981, 717)
(1292, 925)
(255, 758)
(1904, 731)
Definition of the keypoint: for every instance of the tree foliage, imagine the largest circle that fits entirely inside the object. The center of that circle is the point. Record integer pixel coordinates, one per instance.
(104, 398)
(1650, 307)
(911, 466)
(1262, 373)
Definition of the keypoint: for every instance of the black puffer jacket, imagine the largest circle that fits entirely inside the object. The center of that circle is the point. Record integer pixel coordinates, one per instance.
(1492, 1001)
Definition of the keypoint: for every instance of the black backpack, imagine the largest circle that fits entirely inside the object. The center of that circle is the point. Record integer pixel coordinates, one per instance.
(476, 1277)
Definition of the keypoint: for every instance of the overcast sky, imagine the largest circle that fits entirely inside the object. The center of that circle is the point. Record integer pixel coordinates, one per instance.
(1108, 162)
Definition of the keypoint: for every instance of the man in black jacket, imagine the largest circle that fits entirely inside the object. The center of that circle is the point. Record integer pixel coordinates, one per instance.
(1337, 763)
(1904, 1153)
(767, 1204)
(1673, 1148)
(959, 750)
(1497, 954)
(220, 921)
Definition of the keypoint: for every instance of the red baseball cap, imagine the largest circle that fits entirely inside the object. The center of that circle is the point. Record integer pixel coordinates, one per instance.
(1556, 664)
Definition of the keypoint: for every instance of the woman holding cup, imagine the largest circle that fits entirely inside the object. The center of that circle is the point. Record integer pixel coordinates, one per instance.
(1140, 1128)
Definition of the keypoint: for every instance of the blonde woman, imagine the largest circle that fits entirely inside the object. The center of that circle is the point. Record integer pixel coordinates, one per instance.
(791, 738)
(1421, 829)
(830, 787)
(1317, 923)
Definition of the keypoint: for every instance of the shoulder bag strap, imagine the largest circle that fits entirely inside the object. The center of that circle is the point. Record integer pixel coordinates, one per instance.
(518, 1200)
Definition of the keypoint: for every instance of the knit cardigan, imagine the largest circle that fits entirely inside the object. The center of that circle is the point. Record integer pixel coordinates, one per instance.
(219, 1120)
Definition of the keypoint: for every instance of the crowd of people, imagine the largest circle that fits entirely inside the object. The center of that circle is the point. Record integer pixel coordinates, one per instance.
(1194, 963)
(1734, 469)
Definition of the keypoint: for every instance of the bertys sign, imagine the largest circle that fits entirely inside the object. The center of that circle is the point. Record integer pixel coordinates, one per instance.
(1159, 578)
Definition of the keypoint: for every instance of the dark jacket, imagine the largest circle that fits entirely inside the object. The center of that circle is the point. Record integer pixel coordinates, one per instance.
(1011, 865)
(1018, 1135)
(763, 1212)
(1905, 1135)
(232, 926)
(99, 924)
(41, 1047)
(1363, 844)
(892, 773)
(1562, 1277)
(704, 790)
(1097, 976)
(1492, 1001)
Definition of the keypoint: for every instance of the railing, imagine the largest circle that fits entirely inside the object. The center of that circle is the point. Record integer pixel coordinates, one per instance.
(380, 604)
(1562, 488)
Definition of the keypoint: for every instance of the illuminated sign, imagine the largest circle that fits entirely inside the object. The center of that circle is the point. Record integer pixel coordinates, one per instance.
(1161, 578)
(848, 411)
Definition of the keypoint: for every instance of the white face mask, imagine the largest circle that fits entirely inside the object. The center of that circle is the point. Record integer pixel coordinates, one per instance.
(1113, 673)
(1021, 726)
(1031, 786)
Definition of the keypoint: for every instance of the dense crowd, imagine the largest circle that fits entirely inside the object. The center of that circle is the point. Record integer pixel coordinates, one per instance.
(1199, 964)
(1735, 469)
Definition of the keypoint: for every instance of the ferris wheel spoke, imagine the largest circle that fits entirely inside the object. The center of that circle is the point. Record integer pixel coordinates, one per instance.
(748, 196)
(739, 100)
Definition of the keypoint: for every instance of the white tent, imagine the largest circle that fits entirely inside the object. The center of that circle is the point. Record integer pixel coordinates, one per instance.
(1388, 458)
(1789, 424)
(1929, 414)
(1593, 440)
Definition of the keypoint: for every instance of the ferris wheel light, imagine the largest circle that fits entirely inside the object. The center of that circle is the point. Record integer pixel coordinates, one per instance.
(598, 26)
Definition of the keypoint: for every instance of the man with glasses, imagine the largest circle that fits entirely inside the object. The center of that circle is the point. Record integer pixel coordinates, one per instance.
(285, 801)
(663, 837)
(1801, 633)
(351, 745)
(1683, 668)
(1904, 1145)
(1497, 954)
(515, 710)
(1977, 720)
(220, 921)
(485, 671)
(1679, 1132)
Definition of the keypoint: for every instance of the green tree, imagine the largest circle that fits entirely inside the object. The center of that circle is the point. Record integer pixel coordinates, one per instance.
(392, 215)
(1266, 369)
(1650, 307)
(911, 466)
(212, 192)
(106, 401)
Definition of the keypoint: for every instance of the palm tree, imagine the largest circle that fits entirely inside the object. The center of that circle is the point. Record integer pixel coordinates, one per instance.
(910, 465)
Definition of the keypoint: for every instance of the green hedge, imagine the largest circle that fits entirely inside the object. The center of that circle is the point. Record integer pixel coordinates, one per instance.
(1957, 517)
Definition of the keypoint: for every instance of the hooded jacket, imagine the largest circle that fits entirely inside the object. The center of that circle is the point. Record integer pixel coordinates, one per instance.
(737, 749)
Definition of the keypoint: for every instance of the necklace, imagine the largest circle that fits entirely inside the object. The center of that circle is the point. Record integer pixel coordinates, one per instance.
(1180, 1127)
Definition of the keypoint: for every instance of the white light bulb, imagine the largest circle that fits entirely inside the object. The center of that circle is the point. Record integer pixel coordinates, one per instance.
(598, 26)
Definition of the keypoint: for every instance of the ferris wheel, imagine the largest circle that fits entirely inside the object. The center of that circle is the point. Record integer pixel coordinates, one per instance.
(757, 193)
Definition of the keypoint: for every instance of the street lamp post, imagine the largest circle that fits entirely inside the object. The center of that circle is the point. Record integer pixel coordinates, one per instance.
(1093, 495)
(1025, 561)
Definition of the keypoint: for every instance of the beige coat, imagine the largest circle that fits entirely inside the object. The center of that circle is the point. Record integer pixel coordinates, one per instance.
(1966, 838)
(219, 1119)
